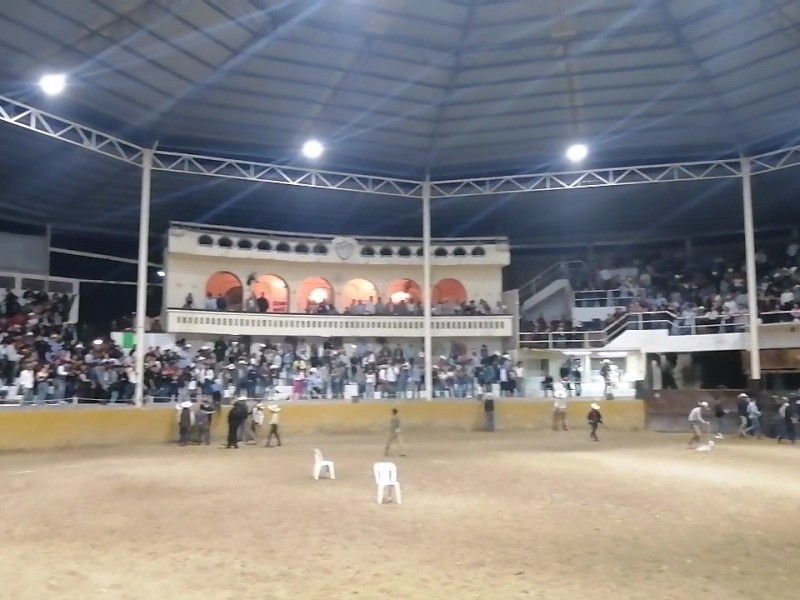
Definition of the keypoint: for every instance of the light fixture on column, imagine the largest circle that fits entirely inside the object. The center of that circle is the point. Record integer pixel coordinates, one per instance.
(577, 152)
(53, 84)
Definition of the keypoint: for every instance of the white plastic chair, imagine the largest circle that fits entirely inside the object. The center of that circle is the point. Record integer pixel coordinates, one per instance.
(320, 463)
(386, 477)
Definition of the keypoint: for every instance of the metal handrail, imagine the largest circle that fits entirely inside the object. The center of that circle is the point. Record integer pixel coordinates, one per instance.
(608, 298)
(676, 324)
(559, 270)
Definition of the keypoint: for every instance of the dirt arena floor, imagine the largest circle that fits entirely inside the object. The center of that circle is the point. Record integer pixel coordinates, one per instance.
(500, 516)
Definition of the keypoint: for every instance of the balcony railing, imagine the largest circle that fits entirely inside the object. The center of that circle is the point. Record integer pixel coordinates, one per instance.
(648, 321)
(607, 298)
(207, 322)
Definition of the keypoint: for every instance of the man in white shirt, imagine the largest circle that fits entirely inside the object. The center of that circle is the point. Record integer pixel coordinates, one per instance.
(754, 414)
(26, 383)
(560, 410)
(696, 420)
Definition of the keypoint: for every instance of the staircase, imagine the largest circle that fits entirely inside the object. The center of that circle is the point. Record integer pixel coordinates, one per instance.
(553, 280)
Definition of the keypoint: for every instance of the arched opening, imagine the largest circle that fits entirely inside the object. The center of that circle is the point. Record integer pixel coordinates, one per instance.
(404, 291)
(320, 249)
(368, 251)
(358, 292)
(386, 251)
(440, 252)
(312, 293)
(274, 289)
(225, 242)
(244, 244)
(301, 248)
(478, 251)
(449, 291)
(264, 245)
(205, 240)
(459, 252)
(227, 286)
(283, 247)
(404, 251)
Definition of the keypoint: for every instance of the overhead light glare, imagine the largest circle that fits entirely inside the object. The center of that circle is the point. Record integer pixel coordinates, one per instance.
(161, 273)
(313, 149)
(577, 152)
(53, 84)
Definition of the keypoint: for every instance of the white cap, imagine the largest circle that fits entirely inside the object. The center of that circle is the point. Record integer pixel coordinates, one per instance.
(595, 406)
(704, 404)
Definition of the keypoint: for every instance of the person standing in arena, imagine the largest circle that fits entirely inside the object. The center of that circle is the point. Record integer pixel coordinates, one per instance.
(696, 421)
(257, 422)
(719, 415)
(595, 419)
(560, 410)
(488, 411)
(236, 418)
(754, 414)
(394, 434)
(202, 422)
(741, 408)
(274, 422)
(786, 421)
(185, 421)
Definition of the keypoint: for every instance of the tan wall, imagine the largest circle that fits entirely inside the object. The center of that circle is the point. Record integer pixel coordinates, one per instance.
(188, 274)
(27, 430)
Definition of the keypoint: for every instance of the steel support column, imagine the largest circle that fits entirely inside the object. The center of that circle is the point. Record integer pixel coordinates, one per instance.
(141, 276)
(752, 282)
(426, 288)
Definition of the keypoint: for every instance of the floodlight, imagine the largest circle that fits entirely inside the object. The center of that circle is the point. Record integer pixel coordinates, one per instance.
(98, 342)
(53, 84)
(161, 273)
(577, 152)
(313, 149)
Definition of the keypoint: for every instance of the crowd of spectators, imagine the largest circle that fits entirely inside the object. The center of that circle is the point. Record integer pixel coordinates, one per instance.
(698, 293)
(297, 369)
(371, 306)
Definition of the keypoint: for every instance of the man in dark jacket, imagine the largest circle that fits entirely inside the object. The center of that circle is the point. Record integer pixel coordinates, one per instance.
(236, 418)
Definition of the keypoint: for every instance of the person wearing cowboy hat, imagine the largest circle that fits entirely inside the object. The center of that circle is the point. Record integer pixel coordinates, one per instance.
(560, 410)
(274, 421)
(742, 401)
(696, 421)
(595, 419)
(236, 417)
(185, 421)
(257, 422)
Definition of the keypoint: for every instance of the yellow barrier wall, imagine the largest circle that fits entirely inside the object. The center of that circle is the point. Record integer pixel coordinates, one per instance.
(53, 428)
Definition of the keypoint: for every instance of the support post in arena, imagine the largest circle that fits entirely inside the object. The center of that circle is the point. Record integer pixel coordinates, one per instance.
(141, 276)
(754, 381)
(426, 287)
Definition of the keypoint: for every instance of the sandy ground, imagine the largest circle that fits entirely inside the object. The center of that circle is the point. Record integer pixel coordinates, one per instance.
(505, 516)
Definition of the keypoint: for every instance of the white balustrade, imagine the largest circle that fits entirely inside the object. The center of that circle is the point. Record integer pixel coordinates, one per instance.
(276, 324)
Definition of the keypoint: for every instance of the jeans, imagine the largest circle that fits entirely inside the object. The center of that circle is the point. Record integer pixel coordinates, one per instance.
(755, 426)
(369, 391)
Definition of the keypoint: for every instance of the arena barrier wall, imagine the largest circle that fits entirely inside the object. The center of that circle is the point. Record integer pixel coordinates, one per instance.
(105, 426)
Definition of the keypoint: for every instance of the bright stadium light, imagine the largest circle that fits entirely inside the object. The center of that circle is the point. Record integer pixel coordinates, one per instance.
(577, 152)
(53, 84)
(161, 273)
(313, 149)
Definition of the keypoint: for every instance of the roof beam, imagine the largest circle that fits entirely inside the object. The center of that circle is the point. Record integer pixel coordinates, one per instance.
(33, 119)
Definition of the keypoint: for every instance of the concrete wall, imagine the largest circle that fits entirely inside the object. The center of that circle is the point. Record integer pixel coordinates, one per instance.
(46, 429)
